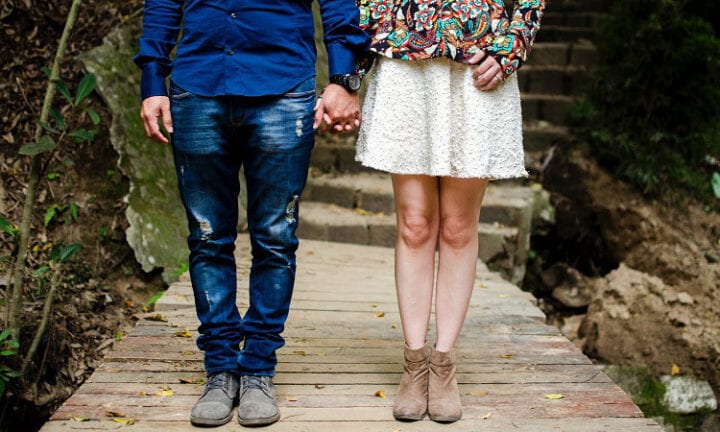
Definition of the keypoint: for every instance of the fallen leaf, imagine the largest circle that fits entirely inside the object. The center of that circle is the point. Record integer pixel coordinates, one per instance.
(487, 416)
(291, 399)
(142, 393)
(380, 393)
(164, 393)
(479, 393)
(302, 353)
(157, 317)
(379, 314)
(311, 253)
(480, 285)
(125, 421)
(188, 353)
(554, 396)
(79, 419)
(393, 326)
(184, 333)
(110, 413)
(373, 305)
(319, 386)
(361, 212)
(129, 303)
(145, 309)
(675, 370)
(188, 381)
(507, 356)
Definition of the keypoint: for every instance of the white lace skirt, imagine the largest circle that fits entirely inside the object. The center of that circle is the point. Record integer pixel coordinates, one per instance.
(426, 117)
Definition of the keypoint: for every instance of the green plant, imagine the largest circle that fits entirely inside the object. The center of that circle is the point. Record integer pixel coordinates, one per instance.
(8, 348)
(651, 113)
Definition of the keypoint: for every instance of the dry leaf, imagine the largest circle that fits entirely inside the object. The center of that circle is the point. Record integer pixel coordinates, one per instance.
(480, 285)
(145, 309)
(487, 416)
(129, 303)
(291, 399)
(157, 317)
(165, 393)
(189, 353)
(554, 396)
(393, 326)
(675, 370)
(379, 314)
(373, 305)
(479, 393)
(310, 253)
(79, 419)
(188, 381)
(142, 393)
(507, 356)
(110, 413)
(319, 386)
(380, 393)
(361, 212)
(184, 333)
(125, 421)
(302, 353)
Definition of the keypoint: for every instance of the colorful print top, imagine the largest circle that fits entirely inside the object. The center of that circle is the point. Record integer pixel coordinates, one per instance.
(457, 29)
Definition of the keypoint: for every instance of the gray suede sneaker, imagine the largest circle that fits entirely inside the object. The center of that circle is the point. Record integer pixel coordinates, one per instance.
(258, 404)
(214, 408)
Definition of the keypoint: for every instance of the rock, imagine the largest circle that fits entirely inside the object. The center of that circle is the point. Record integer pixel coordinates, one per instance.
(575, 291)
(157, 225)
(570, 328)
(687, 395)
(685, 298)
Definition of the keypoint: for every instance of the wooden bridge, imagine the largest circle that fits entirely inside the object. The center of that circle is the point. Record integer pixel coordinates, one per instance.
(340, 368)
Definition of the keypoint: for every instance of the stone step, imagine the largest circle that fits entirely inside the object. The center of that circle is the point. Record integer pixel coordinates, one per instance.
(498, 245)
(553, 79)
(372, 192)
(561, 33)
(337, 154)
(551, 108)
(561, 6)
(561, 53)
(570, 18)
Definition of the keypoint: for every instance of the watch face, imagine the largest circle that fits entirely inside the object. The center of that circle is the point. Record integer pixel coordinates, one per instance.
(354, 82)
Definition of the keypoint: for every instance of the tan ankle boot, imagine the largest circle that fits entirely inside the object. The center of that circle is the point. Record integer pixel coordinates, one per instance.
(412, 399)
(443, 393)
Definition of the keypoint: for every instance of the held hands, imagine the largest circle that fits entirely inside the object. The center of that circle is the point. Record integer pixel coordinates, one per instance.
(337, 109)
(488, 75)
(154, 108)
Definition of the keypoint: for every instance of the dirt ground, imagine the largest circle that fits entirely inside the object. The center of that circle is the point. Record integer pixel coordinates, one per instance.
(650, 267)
(102, 286)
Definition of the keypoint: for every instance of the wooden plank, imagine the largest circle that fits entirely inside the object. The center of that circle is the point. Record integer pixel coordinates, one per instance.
(495, 423)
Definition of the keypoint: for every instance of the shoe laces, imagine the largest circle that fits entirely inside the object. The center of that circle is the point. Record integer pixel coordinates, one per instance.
(218, 381)
(256, 382)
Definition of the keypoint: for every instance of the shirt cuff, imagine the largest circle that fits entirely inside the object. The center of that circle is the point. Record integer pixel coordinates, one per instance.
(152, 82)
(341, 60)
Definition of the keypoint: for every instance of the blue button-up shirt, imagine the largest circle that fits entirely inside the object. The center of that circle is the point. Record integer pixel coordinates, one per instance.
(243, 47)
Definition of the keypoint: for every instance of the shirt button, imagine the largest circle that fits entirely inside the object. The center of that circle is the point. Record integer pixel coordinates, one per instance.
(233, 15)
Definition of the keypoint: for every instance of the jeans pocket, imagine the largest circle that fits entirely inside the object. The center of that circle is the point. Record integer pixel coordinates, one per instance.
(302, 90)
(177, 92)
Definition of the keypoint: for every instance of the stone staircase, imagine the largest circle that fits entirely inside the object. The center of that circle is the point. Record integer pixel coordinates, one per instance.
(346, 202)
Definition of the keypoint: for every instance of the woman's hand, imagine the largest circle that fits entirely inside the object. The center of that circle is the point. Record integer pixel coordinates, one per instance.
(488, 75)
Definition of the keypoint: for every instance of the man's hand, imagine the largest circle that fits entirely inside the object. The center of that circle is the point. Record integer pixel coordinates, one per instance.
(488, 75)
(153, 108)
(339, 110)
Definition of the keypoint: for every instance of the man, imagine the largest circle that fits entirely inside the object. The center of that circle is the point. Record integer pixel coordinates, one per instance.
(242, 93)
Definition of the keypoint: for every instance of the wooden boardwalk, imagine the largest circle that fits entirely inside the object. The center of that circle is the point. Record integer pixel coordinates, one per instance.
(341, 365)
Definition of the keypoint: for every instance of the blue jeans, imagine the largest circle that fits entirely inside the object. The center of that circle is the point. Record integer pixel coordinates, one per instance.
(271, 137)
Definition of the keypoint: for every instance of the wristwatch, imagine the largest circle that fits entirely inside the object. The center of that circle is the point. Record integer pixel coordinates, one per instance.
(351, 82)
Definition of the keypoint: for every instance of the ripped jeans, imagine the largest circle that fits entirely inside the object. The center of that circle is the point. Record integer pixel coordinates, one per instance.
(271, 137)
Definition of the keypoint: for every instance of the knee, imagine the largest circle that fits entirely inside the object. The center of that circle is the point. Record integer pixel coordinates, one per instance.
(457, 233)
(416, 230)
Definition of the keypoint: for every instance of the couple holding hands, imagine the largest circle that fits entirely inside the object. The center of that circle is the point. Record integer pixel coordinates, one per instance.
(441, 114)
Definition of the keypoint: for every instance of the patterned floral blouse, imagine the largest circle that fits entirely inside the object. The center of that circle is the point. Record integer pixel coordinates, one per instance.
(457, 29)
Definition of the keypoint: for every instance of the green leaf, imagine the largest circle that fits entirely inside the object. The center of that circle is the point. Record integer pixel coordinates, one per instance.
(74, 211)
(45, 144)
(94, 116)
(80, 135)
(7, 228)
(46, 70)
(716, 184)
(40, 271)
(48, 128)
(50, 214)
(155, 298)
(68, 251)
(53, 176)
(86, 86)
(57, 116)
(7, 353)
(63, 90)
(5, 333)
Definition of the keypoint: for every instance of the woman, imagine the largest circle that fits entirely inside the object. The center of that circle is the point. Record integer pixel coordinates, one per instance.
(443, 128)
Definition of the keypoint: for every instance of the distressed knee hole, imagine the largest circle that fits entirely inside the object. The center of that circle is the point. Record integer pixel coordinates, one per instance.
(291, 210)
